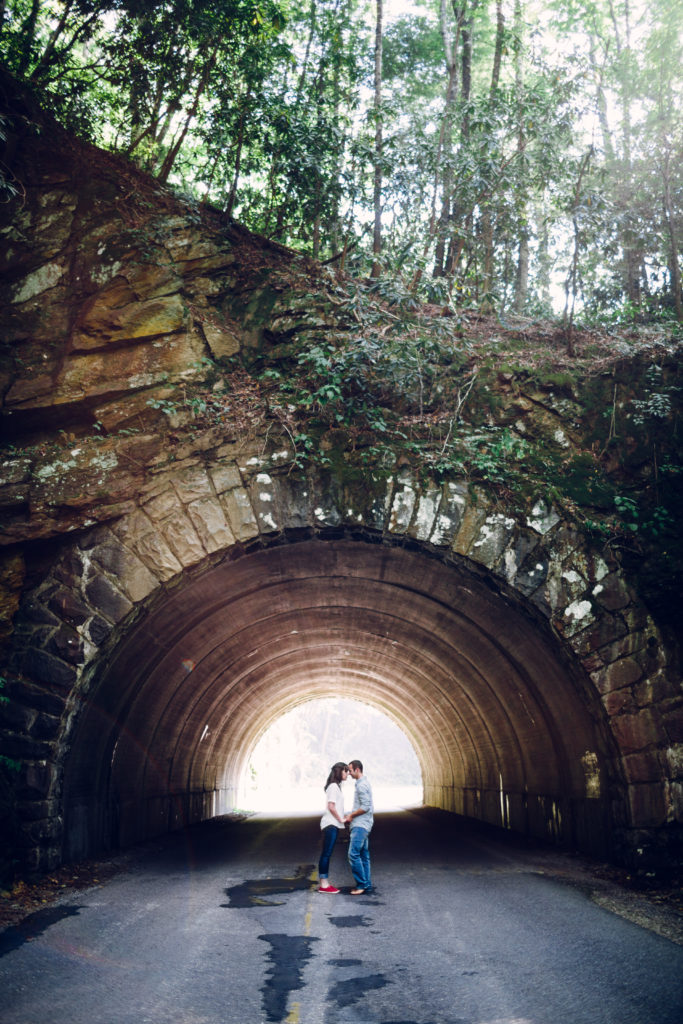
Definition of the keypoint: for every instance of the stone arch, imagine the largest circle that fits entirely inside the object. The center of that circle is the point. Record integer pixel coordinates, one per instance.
(548, 631)
(498, 718)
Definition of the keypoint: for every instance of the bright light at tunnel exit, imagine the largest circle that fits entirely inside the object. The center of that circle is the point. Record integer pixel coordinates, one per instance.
(290, 763)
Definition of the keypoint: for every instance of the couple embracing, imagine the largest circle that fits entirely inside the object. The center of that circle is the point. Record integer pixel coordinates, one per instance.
(360, 821)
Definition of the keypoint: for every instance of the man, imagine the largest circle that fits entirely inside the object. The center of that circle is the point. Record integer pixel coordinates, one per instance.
(360, 821)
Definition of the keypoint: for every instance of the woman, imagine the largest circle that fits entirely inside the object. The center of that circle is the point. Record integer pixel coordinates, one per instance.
(332, 821)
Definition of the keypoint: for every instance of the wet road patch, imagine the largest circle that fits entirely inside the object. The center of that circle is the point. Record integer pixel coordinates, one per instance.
(288, 956)
(253, 892)
(352, 921)
(345, 993)
(33, 926)
(340, 962)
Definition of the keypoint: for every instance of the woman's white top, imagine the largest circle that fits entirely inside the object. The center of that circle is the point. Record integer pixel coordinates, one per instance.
(333, 795)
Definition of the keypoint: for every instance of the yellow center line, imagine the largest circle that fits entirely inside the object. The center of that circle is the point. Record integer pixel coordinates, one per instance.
(308, 917)
(294, 1015)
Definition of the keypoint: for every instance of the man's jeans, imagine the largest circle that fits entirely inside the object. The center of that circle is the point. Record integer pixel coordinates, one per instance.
(359, 857)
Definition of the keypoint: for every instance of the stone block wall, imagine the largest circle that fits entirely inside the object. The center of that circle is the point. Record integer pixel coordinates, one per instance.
(219, 503)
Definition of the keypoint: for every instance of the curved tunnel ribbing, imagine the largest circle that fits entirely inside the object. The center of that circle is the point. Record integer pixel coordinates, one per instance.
(504, 726)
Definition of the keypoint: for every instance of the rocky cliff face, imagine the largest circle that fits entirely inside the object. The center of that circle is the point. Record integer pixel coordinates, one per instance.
(128, 316)
(115, 299)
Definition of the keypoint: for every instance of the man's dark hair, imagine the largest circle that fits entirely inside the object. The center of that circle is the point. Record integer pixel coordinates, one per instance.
(356, 764)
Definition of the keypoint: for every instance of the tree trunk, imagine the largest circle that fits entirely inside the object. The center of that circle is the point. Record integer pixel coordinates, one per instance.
(432, 230)
(238, 157)
(309, 43)
(138, 130)
(458, 233)
(316, 234)
(172, 154)
(51, 43)
(607, 142)
(377, 107)
(450, 46)
(29, 33)
(522, 274)
(46, 59)
(544, 260)
(570, 287)
(335, 227)
(522, 270)
(670, 220)
(486, 217)
(498, 49)
(629, 242)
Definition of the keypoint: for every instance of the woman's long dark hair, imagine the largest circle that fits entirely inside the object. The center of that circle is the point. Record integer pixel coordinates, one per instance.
(336, 773)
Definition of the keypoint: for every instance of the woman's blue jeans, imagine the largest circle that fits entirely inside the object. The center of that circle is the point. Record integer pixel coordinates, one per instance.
(359, 857)
(329, 839)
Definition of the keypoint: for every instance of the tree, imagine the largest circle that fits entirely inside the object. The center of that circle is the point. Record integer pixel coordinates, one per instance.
(665, 123)
(377, 115)
(521, 193)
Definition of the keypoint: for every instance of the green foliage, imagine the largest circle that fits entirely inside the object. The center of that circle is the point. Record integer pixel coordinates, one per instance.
(492, 453)
(627, 510)
(657, 403)
(165, 405)
(123, 72)
(189, 403)
(651, 524)
(8, 187)
(263, 107)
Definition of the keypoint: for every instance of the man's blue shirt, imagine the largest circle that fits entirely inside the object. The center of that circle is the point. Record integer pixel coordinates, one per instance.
(363, 798)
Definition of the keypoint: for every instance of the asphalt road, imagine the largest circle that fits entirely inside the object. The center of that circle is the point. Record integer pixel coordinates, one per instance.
(223, 925)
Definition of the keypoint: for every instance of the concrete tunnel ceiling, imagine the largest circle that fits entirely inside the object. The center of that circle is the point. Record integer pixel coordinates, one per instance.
(506, 729)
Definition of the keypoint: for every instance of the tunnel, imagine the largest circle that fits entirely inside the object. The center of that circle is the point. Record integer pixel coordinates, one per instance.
(507, 727)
